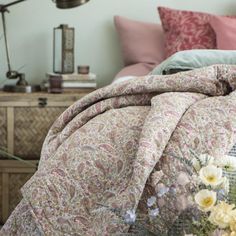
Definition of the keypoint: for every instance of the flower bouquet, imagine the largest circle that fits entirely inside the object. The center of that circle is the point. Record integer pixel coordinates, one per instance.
(209, 208)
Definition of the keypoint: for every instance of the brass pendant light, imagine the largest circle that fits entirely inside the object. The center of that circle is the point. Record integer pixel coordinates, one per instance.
(64, 4)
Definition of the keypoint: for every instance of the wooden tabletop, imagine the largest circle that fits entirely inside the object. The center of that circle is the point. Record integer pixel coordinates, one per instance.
(33, 99)
(43, 93)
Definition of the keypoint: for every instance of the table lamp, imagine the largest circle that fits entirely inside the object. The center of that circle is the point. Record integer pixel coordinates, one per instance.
(22, 85)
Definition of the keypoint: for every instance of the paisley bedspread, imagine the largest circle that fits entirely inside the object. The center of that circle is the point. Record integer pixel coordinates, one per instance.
(101, 153)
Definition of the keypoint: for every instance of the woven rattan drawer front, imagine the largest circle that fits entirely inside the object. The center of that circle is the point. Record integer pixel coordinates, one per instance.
(16, 181)
(3, 127)
(26, 118)
(13, 175)
(1, 202)
(31, 125)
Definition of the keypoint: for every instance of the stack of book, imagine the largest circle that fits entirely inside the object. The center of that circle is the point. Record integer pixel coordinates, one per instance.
(72, 82)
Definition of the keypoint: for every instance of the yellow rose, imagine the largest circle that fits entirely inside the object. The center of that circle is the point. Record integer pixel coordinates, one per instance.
(233, 225)
(211, 175)
(222, 215)
(233, 233)
(226, 234)
(205, 199)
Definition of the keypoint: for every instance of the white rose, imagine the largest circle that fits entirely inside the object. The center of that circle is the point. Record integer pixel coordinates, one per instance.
(205, 199)
(211, 175)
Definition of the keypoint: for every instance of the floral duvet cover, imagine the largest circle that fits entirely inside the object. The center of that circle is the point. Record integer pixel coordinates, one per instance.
(102, 156)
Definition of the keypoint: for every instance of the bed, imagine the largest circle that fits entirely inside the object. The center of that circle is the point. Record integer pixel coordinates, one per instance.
(103, 156)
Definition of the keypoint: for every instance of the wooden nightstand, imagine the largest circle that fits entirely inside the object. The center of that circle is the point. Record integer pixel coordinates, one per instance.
(24, 122)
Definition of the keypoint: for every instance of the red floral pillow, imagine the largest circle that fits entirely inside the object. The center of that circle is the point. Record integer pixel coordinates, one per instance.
(185, 30)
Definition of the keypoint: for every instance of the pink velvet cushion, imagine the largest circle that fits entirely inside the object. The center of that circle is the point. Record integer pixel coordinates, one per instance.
(185, 30)
(141, 42)
(139, 69)
(225, 29)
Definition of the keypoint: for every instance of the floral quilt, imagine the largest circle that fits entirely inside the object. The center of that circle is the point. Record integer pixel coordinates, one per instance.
(103, 155)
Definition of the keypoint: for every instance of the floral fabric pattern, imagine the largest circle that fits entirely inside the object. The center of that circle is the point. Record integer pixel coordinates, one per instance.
(102, 152)
(185, 30)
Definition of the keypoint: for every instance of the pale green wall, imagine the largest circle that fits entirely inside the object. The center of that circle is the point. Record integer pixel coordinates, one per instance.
(30, 27)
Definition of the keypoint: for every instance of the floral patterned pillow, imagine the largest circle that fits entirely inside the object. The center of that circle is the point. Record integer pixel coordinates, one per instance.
(185, 30)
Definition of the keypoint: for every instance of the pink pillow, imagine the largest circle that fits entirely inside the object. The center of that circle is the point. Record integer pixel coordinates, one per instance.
(225, 29)
(185, 30)
(141, 42)
(139, 69)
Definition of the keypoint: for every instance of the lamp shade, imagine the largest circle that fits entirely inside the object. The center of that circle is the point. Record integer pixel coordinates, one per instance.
(65, 4)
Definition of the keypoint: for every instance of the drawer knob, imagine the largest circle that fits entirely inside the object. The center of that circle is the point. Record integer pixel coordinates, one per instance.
(43, 102)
